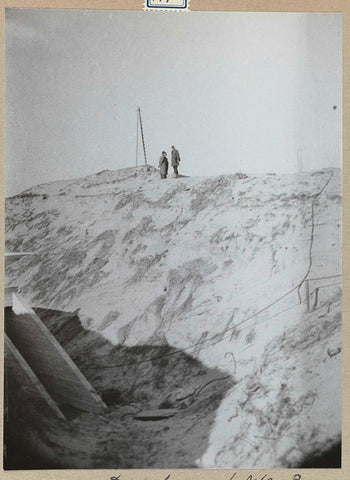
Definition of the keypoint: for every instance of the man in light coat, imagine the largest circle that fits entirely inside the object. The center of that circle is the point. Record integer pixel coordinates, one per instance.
(175, 160)
(163, 165)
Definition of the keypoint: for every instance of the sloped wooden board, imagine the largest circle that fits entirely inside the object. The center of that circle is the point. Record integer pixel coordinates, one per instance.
(49, 361)
(33, 383)
(9, 291)
(161, 414)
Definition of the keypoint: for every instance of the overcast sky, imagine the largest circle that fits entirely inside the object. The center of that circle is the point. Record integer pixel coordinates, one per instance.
(233, 91)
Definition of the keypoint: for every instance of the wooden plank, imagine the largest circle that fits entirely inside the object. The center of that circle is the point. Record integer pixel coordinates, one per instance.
(50, 362)
(160, 414)
(32, 378)
(11, 257)
(9, 291)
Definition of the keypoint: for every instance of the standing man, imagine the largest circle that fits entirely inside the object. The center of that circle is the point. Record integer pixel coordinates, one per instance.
(175, 160)
(163, 165)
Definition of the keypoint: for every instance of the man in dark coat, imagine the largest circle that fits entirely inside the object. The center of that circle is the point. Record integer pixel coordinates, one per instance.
(175, 160)
(163, 165)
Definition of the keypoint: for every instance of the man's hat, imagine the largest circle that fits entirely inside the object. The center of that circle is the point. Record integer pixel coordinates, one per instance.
(164, 152)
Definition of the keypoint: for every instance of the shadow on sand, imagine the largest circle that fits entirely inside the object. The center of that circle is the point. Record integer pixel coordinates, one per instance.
(36, 439)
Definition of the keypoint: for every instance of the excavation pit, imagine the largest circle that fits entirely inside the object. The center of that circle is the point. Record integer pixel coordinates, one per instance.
(142, 385)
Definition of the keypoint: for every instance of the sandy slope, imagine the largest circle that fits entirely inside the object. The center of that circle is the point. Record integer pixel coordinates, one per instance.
(212, 266)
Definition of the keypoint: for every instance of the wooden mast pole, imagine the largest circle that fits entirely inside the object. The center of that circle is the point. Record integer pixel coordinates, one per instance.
(142, 136)
(137, 136)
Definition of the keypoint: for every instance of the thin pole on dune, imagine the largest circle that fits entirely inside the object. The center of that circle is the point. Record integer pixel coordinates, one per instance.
(137, 136)
(300, 159)
(142, 135)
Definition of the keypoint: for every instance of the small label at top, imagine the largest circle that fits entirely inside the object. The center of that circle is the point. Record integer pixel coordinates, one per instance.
(166, 5)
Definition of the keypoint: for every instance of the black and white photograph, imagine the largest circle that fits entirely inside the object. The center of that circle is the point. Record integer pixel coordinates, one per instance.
(173, 240)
